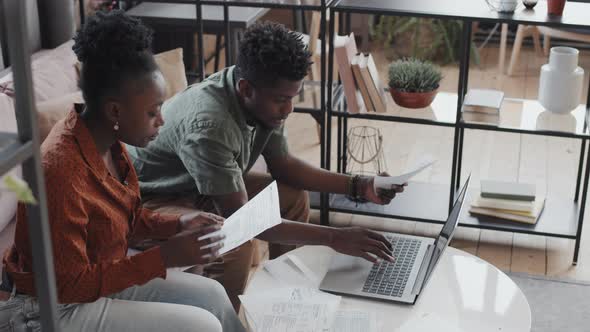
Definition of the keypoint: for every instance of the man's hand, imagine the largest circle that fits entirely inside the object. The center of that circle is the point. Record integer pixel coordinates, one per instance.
(380, 196)
(198, 220)
(361, 242)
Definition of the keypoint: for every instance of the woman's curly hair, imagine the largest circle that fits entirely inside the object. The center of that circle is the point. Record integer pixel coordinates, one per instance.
(112, 47)
(269, 51)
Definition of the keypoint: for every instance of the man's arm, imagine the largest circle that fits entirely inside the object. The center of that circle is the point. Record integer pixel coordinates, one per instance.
(296, 173)
(352, 241)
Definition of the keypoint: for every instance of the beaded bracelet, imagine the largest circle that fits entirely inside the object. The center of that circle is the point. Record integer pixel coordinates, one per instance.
(354, 190)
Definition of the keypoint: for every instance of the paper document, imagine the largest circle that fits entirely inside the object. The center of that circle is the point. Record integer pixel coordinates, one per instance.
(386, 182)
(259, 214)
(290, 310)
(354, 321)
(290, 270)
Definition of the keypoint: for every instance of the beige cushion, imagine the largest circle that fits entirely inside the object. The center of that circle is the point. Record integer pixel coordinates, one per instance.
(51, 111)
(172, 68)
(53, 74)
(7, 124)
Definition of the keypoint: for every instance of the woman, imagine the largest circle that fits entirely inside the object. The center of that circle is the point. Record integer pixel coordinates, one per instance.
(94, 205)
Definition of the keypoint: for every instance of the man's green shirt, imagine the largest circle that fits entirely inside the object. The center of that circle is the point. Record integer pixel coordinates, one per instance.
(206, 144)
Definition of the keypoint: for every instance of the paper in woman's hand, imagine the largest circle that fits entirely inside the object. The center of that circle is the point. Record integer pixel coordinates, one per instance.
(257, 215)
(387, 182)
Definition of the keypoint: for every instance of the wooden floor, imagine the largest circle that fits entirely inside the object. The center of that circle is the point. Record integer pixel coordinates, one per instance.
(549, 162)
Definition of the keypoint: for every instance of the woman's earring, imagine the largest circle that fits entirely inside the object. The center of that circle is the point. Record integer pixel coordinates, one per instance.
(116, 126)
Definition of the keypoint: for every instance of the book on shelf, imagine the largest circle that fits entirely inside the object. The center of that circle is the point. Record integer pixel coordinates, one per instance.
(360, 81)
(482, 118)
(508, 190)
(344, 55)
(503, 204)
(530, 217)
(483, 101)
(371, 79)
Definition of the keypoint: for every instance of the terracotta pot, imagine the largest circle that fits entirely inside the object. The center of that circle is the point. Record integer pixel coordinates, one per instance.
(555, 7)
(413, 99)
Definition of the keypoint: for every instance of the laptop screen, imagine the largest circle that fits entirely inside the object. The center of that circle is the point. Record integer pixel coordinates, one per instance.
(446, 233)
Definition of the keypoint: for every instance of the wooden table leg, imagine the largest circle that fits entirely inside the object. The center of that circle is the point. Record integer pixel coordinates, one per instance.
(503, 41)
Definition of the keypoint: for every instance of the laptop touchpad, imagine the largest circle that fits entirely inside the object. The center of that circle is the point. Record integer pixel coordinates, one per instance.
(345, 263)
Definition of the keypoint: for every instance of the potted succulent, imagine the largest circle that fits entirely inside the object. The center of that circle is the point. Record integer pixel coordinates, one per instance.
(413, 83)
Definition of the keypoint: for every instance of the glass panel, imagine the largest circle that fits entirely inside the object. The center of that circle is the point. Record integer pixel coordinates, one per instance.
(273, 3)
(575, 13)
(530, 115)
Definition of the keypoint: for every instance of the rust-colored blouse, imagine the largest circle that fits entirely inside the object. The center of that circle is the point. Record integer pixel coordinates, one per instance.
(91, 216)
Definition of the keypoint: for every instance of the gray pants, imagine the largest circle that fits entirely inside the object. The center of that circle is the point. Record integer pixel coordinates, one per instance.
(182, 302)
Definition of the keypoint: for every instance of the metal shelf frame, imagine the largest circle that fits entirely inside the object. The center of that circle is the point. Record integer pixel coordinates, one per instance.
(24, 148)
(467, 12)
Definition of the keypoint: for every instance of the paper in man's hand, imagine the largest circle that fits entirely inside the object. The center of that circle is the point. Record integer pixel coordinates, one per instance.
(387, 182)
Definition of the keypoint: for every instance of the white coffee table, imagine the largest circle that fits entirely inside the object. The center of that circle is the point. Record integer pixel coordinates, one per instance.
(464, 294)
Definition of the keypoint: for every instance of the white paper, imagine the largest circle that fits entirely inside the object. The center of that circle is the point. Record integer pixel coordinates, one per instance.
(289, 317)
(257, 215)
(354, 321)
(290, 270)
(291, 310)
(387, 182)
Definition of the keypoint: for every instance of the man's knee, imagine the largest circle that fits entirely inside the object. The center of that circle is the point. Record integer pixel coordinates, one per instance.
(233, 270)
(294, 203)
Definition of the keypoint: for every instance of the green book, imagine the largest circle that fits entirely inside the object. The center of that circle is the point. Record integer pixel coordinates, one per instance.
(508, 190)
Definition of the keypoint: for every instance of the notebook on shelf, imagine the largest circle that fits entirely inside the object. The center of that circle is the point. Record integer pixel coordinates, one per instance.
(508, 190)
(503, 204)
(482, 118)
(519, 216)
(483, 101)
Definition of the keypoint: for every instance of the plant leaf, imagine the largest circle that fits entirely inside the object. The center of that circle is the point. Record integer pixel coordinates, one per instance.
(20, 188)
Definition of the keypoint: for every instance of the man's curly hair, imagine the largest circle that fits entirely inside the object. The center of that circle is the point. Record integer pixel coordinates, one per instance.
(113, 48)
(269, 51)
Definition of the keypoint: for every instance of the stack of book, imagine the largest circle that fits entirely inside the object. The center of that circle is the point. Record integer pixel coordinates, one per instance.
(508, 200)
(360, 78)
(483, 106)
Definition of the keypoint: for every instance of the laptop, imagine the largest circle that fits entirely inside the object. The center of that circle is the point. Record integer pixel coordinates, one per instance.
(399, 281)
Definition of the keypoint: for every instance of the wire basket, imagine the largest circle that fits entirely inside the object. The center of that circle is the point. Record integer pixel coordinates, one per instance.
(365, 151)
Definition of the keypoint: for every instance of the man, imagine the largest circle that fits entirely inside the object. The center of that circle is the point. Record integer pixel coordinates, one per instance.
(216, 130)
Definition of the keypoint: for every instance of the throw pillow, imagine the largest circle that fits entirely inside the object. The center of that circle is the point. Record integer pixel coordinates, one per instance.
(51, 111)
(53, 74)
(172, 68)
(7, 124)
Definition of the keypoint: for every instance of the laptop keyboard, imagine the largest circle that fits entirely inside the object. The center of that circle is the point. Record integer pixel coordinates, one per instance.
(390, 278)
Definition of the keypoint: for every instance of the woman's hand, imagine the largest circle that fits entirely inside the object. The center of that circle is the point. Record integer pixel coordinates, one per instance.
(361, 242)
(197, 220)
(186, 248)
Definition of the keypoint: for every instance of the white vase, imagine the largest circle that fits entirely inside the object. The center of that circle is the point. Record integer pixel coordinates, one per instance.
(560, 84)
(507, 6)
